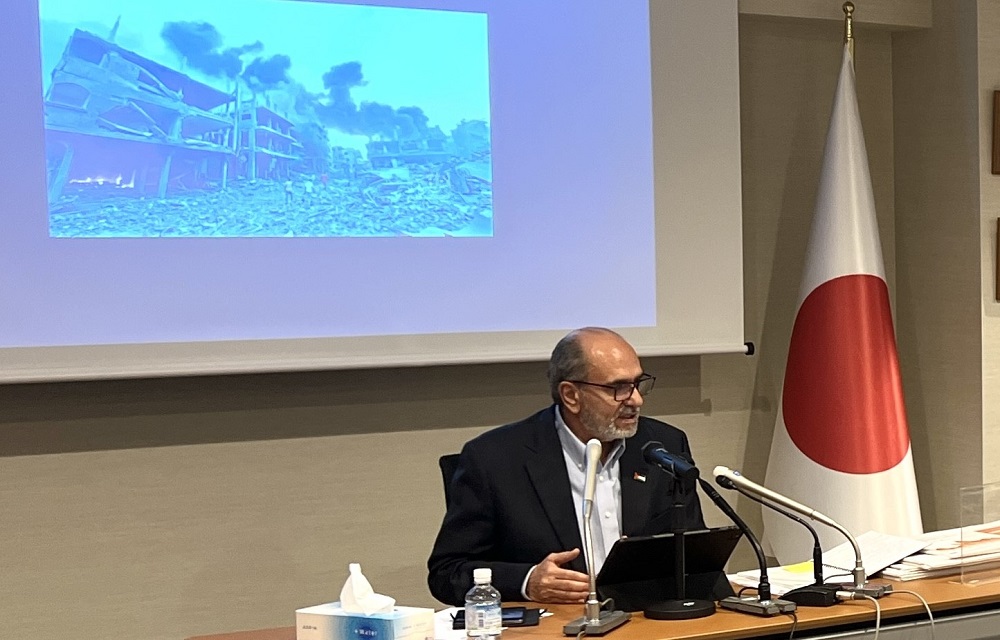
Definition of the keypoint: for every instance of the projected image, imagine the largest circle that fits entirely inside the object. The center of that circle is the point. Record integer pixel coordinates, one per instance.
(265, 118)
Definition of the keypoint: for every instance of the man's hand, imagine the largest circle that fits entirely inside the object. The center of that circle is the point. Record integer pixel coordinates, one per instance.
(550, 583)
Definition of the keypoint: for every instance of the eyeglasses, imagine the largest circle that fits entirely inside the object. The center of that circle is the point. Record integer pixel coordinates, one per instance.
(624, 390)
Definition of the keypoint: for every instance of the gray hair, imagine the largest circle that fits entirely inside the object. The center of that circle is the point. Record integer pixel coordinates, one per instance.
(569, 361)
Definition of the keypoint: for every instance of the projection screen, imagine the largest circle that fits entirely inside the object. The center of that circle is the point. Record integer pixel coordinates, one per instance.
(219, 186)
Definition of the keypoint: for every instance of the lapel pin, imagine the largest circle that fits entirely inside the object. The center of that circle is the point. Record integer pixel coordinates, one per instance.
(638, 477)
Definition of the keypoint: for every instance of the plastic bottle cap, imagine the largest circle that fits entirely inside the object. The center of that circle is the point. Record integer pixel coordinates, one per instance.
(482, 576)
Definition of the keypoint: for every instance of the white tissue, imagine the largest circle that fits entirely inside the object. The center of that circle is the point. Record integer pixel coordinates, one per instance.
(357, 596)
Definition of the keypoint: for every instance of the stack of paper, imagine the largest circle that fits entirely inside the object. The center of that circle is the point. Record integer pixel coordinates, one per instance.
(949, 552)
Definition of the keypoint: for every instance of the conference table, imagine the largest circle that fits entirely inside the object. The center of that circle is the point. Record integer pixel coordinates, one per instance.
(961, 612)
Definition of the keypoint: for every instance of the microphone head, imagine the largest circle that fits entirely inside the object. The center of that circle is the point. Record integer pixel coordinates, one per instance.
(593, 458)
(675, 464)
(594, 450)
(723, 472)
(649, 448)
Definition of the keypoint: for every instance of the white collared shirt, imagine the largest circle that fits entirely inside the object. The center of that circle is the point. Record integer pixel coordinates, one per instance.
(606, 518)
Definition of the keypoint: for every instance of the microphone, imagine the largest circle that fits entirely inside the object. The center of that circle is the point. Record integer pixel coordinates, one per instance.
(763, 605)
(593, 457)
(594, 621)
(817, 594)
(675, 464)
(680, 607)
(727, 477)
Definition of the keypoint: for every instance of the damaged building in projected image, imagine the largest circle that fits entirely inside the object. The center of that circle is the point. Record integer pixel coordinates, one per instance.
(164, 130)
(117, 120)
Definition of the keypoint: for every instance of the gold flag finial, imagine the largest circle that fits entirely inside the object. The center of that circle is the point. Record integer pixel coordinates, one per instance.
(849, 28)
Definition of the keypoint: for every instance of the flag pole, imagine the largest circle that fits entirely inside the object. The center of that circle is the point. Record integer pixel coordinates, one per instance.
(849, 29)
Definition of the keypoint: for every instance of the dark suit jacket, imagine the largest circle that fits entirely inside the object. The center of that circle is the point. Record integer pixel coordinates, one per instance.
(511, 504)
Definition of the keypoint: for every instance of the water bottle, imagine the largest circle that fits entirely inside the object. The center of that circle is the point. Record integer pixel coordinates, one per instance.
(482, 607)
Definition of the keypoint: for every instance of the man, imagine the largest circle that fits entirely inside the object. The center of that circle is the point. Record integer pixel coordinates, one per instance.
(515, 503)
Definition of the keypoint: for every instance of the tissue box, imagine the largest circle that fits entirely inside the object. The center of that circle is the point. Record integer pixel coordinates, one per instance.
(330, 622)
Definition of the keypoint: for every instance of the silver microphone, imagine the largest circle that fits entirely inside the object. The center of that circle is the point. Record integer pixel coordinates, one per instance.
(725, 474)
(730, 478)
(594, 621)
(593, 457)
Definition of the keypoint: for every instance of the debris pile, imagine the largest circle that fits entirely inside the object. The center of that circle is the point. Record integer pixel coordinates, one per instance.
(413, 200)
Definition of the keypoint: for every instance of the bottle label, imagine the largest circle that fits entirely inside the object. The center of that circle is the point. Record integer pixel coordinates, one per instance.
(482, 620)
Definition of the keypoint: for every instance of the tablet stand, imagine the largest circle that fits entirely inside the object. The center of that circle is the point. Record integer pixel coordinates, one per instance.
(682, 608)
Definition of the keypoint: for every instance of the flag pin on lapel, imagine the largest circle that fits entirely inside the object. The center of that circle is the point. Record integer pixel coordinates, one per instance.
(638, 477)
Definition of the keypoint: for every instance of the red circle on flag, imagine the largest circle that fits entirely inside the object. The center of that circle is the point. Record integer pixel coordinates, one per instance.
(843, 399)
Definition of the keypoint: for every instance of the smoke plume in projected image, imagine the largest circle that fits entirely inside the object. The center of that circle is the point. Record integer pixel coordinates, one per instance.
(265, 118)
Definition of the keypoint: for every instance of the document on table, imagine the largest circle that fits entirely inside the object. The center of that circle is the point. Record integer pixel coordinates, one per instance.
(878, 551)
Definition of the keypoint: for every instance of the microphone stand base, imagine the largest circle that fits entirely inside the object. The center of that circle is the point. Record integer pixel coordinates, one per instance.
(606, 622)
(757, 607)
(687, 609)
(814, 595)
(869, 589)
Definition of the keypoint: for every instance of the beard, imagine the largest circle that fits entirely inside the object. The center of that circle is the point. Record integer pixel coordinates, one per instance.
(605, 427)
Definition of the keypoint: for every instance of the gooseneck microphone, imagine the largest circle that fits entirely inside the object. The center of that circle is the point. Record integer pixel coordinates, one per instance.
(817, 594)
(675, 464)
(860, 586)
(594, 621)
(763, 604)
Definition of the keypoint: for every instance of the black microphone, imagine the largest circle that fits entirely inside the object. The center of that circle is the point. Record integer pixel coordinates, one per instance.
(682, 471)
(763, 604)
(675, 464)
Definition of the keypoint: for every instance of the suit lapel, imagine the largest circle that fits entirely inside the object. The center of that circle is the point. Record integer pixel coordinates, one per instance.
(637, 485)
(547, 471)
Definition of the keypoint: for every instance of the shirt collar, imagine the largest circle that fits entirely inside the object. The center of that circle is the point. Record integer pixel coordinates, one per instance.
(576, 450)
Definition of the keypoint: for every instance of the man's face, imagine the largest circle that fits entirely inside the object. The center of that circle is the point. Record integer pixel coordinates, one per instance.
(605, 426)
(612, 361)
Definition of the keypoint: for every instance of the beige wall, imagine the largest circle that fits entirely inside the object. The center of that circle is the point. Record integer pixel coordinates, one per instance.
(937, 225)
(167, 508)
(988, 40)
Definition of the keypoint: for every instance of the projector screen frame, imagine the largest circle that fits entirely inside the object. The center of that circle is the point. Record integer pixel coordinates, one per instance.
(704, 191)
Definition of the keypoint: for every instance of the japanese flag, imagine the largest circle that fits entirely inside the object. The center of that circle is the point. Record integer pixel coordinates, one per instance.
(841, 443)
